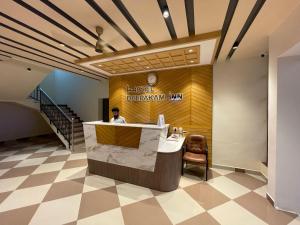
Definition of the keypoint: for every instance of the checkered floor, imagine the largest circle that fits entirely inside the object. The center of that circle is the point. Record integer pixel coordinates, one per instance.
(41, 183)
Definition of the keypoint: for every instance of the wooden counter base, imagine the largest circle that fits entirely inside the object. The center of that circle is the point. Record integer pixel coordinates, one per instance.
(165, 177)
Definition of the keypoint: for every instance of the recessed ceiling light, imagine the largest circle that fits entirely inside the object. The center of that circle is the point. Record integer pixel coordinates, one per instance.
(191, 61)
(147, 67)
(113, 71)
(166, 13)
(100, 65)
(190, 50)
(61, 45)
(138, 59)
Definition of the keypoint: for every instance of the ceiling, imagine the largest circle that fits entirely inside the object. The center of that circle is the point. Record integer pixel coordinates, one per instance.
(56, 33)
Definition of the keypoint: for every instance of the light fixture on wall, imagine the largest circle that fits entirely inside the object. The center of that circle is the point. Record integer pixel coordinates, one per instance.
(61, 45)
(29, 69)
(166, 13)
(235, 45)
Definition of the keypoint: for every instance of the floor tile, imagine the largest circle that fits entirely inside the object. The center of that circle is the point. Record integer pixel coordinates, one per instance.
(111, 217)
(49, 167)
(222, 171)
(31, 162)
(8, 165)
(11, 184)
(70, 174)
(20, 216)
(75, 163)
(4, 195)
(59, 158)
(261, 191)
(146, 212)
(95, 182)
(24, 197)
(211, 174)
(39, 155)
(61, 152)
(21, 171)
(95, 202)
(47, 149)
(206, 195)
(232, 213)
(77, 156)
(202, 219)
(261, 208)
(129, 193)
(7, 153)
(228, 187)
(179, 201)
(3, 172)
(188, 180)
(16, 157)
(57, 212)
(39, 179)
(295, 221)
(64, 189)
(246, 180)
(258, 177)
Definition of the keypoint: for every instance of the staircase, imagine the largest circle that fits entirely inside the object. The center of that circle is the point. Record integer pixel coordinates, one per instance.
(62, 119)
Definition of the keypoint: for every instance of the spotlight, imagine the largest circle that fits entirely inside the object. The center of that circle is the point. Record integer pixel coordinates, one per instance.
(28, 69)
(166, 13)
(190, 50)
(61, 45)
(235, 45)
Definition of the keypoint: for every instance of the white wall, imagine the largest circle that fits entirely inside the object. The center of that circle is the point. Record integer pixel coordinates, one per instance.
(80, 93)
(16, 82)
(18, 121)
(288, 130)
(240, 113)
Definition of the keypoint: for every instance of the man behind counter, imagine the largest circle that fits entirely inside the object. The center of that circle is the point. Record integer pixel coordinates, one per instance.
(117, 118)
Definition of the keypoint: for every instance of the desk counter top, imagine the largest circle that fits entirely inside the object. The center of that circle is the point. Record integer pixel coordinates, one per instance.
(149, 126)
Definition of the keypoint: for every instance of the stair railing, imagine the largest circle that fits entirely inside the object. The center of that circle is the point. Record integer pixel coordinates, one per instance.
(63, 123)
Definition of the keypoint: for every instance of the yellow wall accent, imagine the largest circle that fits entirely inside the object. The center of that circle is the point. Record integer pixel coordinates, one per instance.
(120, 136)
(193, 113)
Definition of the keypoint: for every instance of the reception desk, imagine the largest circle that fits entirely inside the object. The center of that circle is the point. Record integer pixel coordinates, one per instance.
(139, 154)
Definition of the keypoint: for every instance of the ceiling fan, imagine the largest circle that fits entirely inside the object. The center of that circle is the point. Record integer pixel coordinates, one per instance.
(100, 43)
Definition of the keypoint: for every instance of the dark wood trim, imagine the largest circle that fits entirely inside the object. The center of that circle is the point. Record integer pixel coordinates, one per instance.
(163, 5)
(239, 170)
(227, 21)
(38, 40)
(72, 20)
(254, 12)
(41, 33)
(5, 56)
(189, 11)
(103, 14)
(53, 22)
(46, 64)
(130, 19)
(46, 53)
(165, 177)
(24, 50)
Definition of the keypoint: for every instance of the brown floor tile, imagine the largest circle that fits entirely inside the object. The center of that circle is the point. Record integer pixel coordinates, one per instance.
(98, 201)
(72, 223)
(146, 212)
(39, 179)
(246, 180)
(212, 174)
(119, 182)
(8, 165)
(40, 155)
(261, 208)
(4, 195)
(21, 171)
(156, 192)
(58, 158)
(202, 219)
(206, 195)
(2, 157)
(20, 216)
(64, 189)
(75, 163)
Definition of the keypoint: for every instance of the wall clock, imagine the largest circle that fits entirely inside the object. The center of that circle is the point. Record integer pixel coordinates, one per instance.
(152, 79)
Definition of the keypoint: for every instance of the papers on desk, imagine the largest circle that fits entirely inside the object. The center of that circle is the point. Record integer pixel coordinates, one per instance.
(173, 137)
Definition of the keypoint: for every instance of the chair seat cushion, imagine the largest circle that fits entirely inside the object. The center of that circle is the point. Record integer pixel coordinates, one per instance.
(194, 157)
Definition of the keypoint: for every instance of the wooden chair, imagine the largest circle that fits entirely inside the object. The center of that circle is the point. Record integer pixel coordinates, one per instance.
(195, 152)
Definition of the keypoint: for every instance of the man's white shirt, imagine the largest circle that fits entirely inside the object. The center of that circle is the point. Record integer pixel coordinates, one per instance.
(120, 119)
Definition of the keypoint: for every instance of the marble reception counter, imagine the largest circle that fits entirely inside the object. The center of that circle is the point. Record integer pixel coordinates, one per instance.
(134, 153)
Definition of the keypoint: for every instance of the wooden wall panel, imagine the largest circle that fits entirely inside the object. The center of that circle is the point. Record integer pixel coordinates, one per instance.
(193, 113)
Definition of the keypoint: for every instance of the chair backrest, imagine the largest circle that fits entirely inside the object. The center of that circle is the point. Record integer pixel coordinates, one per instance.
(196, 143)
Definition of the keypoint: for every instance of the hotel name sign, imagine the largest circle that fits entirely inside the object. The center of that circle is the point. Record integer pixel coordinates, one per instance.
(147, 93)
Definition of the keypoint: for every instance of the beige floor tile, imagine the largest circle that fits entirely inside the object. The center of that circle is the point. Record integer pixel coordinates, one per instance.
(232, 213)
(129, 193)
(95, 202)
(47, 149)
(188, 180)
(11, 184)
(21, 171)
(7, 153)
(95, 182)
(295, 221)
(261, 191)
(31, 162)
(4, 195)
(24, 197)
(111, 217)
(75, 156)
(20, 216)
(57, 212)
(16, 157)
(64, 189)
(179, 205)
(39, 179)
(75, 163)
(3, 172)
(49, 167)
(146, 212)
(206, 195)
(8, 165)
(61, 152)
(261, 208)
(222, 171)
(59, 158)
(202, 219)
(70, 174)
(258, 177)
(246, 180)
(228, 187)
